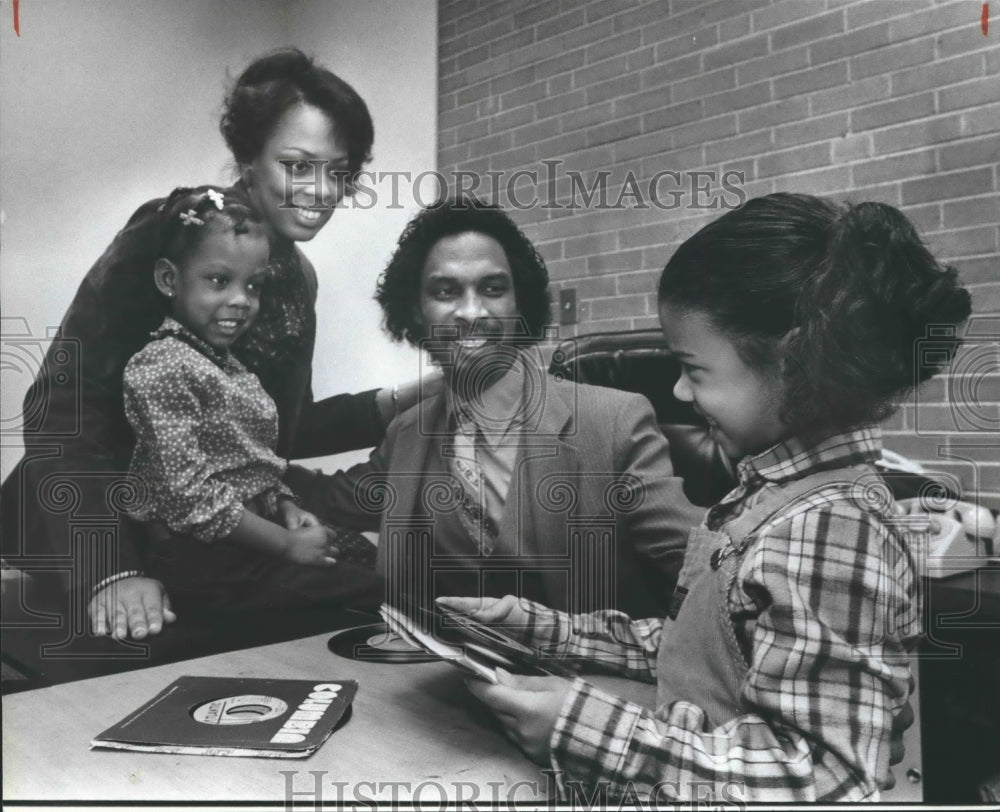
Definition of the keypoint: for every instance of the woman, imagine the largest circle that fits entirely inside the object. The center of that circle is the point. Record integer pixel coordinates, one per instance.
(299, 135)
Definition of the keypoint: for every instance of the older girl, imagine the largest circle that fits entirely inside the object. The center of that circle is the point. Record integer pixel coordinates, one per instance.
(783, 660)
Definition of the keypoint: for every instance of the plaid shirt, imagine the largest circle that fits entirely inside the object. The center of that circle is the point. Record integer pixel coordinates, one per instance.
(825, 606)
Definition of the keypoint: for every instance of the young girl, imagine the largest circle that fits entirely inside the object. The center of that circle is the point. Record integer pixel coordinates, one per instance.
(206, 429)
(784, 657)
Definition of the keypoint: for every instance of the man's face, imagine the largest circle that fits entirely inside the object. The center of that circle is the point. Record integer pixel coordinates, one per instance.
(468, 309)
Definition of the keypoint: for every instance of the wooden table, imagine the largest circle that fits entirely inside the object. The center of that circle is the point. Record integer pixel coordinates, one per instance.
(415, 734)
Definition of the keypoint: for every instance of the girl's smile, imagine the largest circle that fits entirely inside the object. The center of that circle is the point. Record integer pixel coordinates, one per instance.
(740, 403)
(215, 293)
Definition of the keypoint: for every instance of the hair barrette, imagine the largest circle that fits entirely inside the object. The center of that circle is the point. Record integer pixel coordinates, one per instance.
(216, 198)
(190, 218)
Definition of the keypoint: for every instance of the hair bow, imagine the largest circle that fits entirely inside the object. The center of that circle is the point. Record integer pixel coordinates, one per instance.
(216, 198)
(190, 218)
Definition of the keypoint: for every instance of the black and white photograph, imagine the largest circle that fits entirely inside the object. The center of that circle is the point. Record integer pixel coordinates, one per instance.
(493, 404)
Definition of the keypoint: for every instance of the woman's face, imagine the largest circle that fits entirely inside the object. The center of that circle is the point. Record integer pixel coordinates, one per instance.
(300, 175)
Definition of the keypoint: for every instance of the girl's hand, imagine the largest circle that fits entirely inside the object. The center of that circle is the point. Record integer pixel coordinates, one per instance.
(311, 545)
(505, 611)
(527, 708)
(292, 516)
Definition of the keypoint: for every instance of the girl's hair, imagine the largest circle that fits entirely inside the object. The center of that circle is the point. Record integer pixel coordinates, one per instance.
(855, 282)
(190, 213)
(278, 81)
(399, 286)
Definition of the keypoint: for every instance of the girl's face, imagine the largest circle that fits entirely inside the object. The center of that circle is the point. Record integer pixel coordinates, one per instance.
(216, 294)
(300, 174)
(741, 403)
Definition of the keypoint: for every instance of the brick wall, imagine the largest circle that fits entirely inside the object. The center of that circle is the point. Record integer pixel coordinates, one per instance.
(891, 100)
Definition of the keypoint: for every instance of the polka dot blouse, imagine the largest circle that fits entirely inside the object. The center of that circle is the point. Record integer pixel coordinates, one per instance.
(205, 433)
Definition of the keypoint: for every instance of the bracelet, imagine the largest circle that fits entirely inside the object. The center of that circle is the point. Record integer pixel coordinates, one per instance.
(395, 400)
(121, 576)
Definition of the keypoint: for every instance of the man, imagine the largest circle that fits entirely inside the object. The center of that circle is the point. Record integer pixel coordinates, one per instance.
(509, 481)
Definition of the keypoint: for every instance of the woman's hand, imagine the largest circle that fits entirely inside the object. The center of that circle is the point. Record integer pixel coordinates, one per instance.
(527, 708)
(133, 607)
(292, 516)
(394, 400)
(311, 545)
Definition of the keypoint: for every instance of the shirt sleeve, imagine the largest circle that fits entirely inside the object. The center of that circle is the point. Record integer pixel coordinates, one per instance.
(354, 498)
(164, 404)
(605, 641)
(338, 423)
(75, 405)
(827, 673)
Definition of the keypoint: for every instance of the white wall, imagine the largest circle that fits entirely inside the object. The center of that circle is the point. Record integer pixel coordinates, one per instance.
(110, 102)
(388, 51)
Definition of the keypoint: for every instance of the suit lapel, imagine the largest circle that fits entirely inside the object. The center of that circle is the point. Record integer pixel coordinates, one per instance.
(545, 459)
(411, 456)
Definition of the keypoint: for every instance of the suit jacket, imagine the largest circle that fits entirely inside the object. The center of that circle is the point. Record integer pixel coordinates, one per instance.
(594, 516)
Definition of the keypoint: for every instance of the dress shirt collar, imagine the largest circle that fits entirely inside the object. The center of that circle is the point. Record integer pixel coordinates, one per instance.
(498, 410)
(790, 460)
(794, 458)
(172, 327)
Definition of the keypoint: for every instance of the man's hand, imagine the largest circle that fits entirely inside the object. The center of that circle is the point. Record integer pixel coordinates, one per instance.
(132, 607)
(527, 707)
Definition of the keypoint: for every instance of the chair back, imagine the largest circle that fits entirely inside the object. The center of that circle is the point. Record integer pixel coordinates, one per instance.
(638, 361)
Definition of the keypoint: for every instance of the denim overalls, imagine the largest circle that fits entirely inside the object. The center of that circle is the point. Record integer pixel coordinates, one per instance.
(700, 659)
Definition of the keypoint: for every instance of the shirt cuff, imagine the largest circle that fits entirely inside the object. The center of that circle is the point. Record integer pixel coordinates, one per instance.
(547, 629)
(591, 740)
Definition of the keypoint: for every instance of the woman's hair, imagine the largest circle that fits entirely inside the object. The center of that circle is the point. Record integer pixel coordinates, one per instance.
(189, 214)
(856, 284)
(399, 286)
(278, 81)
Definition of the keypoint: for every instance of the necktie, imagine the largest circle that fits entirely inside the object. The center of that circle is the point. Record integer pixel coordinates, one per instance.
(466, 468)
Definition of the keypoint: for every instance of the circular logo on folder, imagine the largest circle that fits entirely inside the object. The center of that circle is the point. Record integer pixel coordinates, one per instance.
(239, 710)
